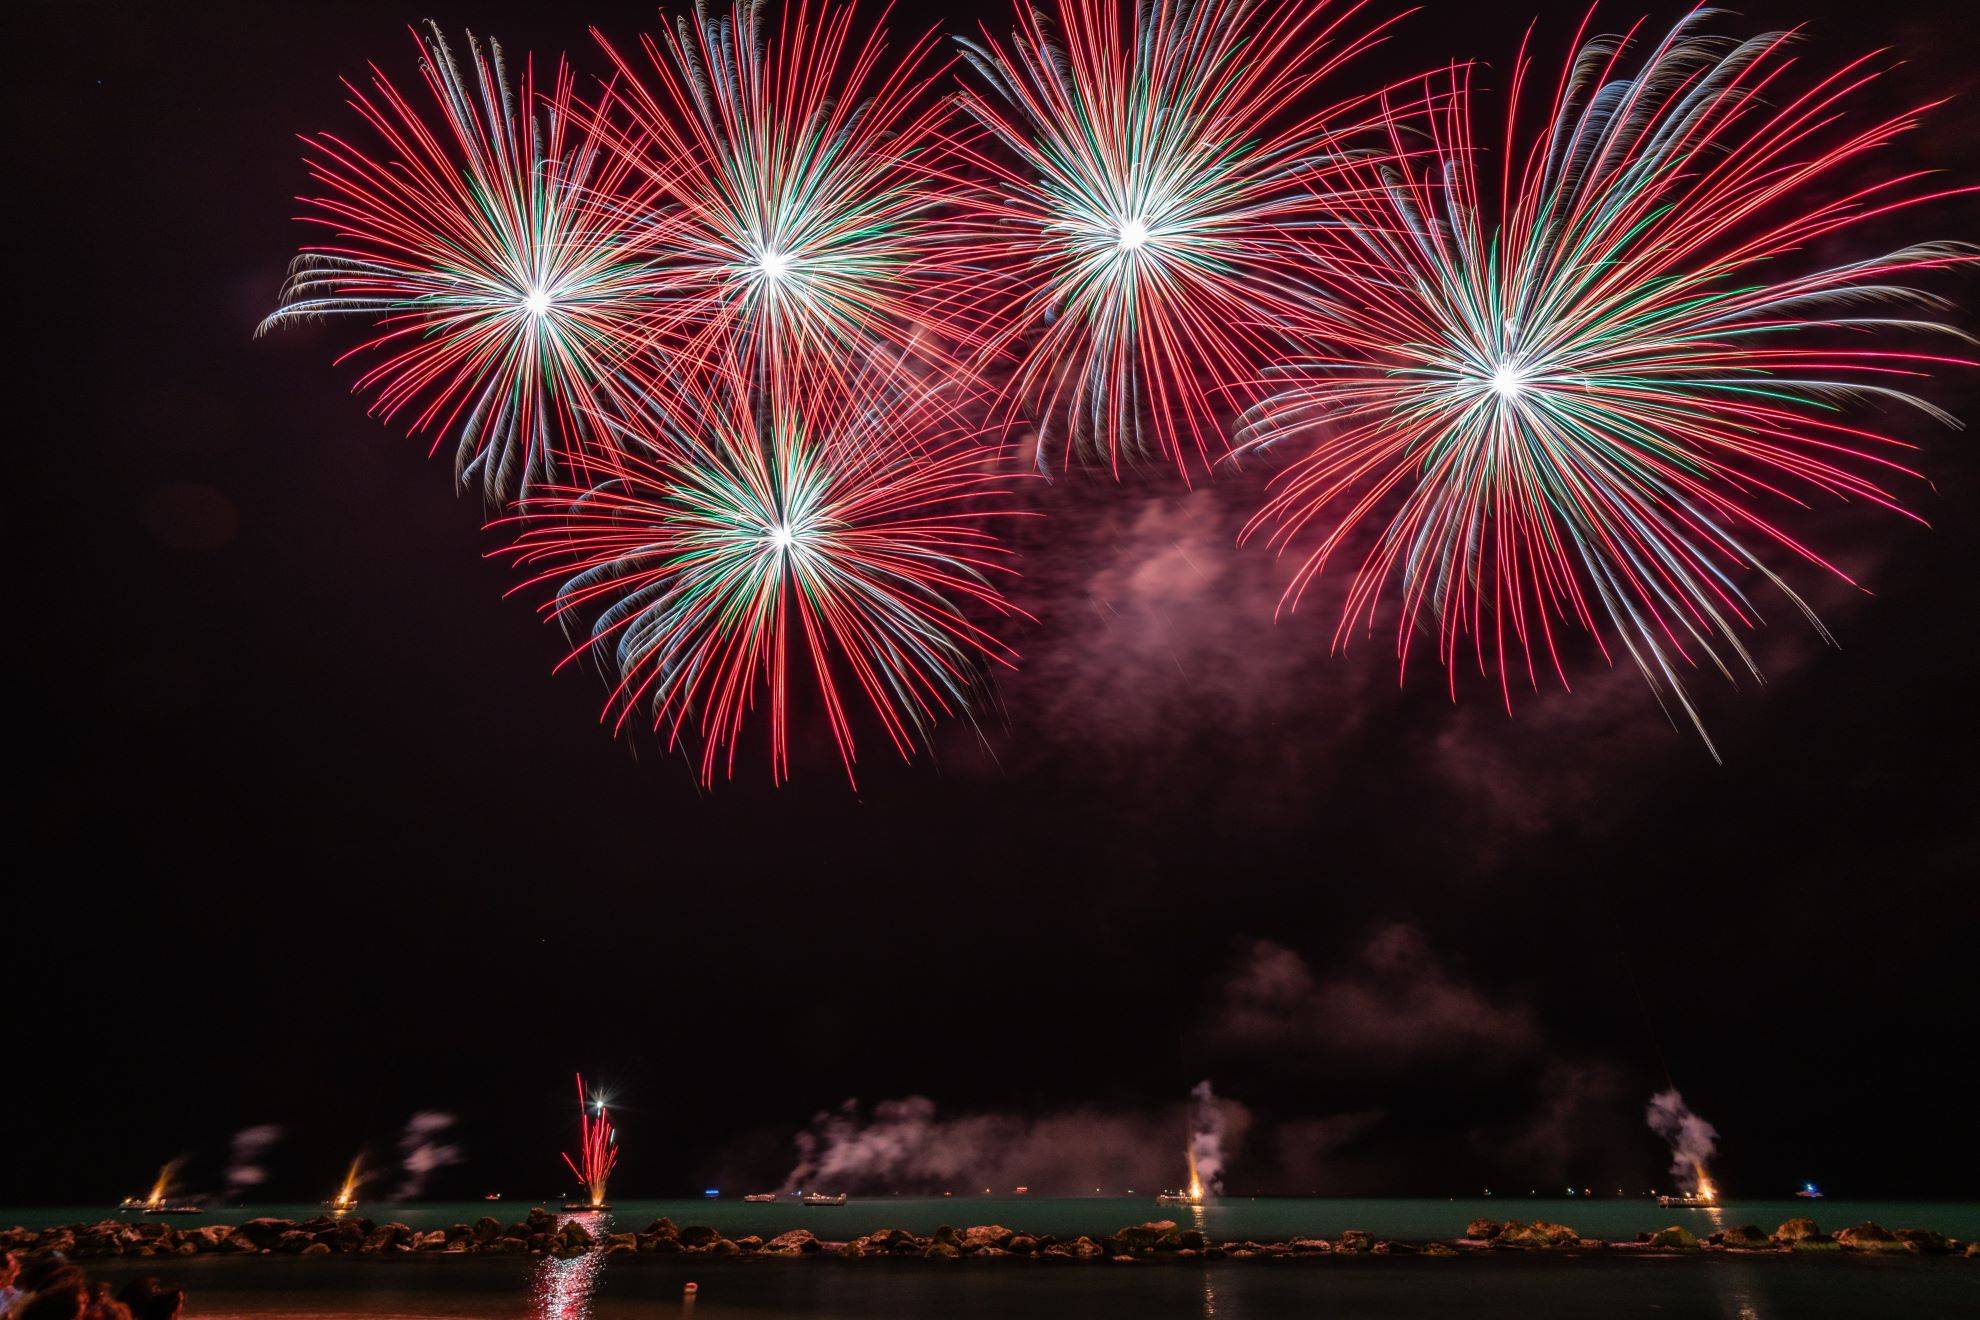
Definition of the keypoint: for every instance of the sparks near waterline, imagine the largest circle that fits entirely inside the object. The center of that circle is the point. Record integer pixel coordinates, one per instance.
(1567, 403)
(598, 1149)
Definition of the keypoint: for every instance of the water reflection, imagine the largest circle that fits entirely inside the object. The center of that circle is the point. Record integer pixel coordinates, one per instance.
(1740, 1292)
(562, 1289)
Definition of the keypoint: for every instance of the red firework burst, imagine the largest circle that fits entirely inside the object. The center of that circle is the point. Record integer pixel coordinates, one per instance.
(1133, 215)
(797, 167)
(753, 541)
(1565, 387)
(499, 255)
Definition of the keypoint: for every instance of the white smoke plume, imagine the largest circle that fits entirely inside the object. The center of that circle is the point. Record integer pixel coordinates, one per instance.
(1693, 1141)
(244, 1170)
(907, 1145)
(1209, 1121)
(422, 1151)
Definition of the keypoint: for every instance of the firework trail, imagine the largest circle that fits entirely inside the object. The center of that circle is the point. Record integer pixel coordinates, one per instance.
(598, 1148)
(766, 545)
(1564, 406)
(797, 167)
(502, 257)
(1146, 169)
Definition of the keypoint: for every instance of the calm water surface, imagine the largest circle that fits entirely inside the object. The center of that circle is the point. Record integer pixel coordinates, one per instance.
(1496, 1287)
(1265, 1217)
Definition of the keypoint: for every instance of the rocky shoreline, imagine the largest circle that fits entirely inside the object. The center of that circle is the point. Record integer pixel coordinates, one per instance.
(545, 1234)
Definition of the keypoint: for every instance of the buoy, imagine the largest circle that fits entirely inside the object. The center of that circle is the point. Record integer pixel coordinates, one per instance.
(692, 1288)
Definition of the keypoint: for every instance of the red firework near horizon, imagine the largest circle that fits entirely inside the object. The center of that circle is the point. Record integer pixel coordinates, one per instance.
(598, 1148)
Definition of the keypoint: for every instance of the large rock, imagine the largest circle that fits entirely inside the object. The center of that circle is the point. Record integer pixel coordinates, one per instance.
(1145, 1237)
(1352, 1240)
(1796, 1229)
(1925, 1241)
(699, 1235)
(1483, 1230)
(266, 1232)
(985, 1235)
(797, 1242)
(1538, 1235)
(942, 1251)
(1748, 1237)
(507, 1246)
(487, 1228)
(1675, 1238)
(575, 1236)
(1871, 1237)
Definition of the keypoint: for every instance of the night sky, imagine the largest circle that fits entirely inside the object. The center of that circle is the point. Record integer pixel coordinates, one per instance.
(309, 834)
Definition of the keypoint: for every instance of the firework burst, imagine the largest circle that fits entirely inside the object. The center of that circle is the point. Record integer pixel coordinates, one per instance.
(1148, 165)
(598, 1148)
(837, 544)
(501, 257)
(797, 168)
(1565, 406)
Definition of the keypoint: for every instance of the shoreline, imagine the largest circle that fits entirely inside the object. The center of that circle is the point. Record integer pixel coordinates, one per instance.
(543, 1233)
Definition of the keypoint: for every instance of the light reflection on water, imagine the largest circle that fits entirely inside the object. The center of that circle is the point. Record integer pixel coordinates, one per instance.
(562, 1289)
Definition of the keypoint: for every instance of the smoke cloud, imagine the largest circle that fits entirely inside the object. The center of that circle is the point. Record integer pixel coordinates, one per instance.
(1207, 1121)
(244, 1170)
(1396, 1003)
(422, 1151)
(907, 1145)
(1692, 1140)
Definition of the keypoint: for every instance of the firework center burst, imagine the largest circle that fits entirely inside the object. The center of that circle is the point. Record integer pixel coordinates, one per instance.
(1507, 381)
(773, 264)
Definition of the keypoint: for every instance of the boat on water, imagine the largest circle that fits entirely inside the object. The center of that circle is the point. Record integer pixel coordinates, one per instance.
(492, 1196)
(1177, 1198)
(819, 1198)
(1809, 1192)
(175, 1208)
(761, 1198)
(133, 1203)
(1688, 1201)
(586, 1207)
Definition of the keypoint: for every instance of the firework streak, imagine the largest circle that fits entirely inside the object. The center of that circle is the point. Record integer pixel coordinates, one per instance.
(1133, 213)
(1565, 405)
(598, 1146)
(498, 256)
(764, 543)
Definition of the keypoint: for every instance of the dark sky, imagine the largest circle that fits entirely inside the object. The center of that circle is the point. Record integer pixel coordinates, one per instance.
(308, 833)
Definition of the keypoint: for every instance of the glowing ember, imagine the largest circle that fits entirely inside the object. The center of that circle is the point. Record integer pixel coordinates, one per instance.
(346, 1198)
